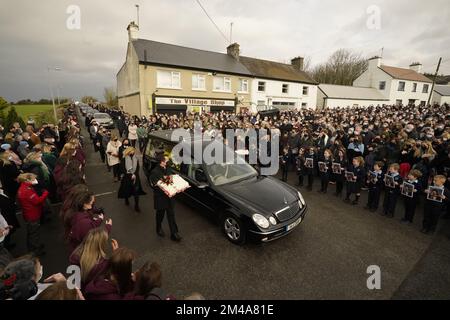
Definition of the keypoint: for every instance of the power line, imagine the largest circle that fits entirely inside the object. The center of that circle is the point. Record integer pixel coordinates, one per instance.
(217, 27)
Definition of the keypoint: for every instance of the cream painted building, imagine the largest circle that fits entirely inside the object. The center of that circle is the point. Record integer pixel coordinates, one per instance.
(165, 78)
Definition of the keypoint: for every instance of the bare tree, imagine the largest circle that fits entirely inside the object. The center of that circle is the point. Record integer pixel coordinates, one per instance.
(342, 68)
(110, 97)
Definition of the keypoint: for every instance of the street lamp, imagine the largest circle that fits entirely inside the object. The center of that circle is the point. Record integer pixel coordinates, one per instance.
(51, 91)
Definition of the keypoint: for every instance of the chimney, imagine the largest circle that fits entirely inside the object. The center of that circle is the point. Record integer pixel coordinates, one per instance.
(298, 63)
(374, 63)
(133, 30)
(233, 50)
(416, 66)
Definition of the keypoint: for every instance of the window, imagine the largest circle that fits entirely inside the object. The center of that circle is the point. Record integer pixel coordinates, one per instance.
(261, 103)
(398, 102)
(198, 82)
(304, 105)
(382, 85)
(425, 88)
(401, 86)
(285, 88)
(414, 89)
(283, 105)
(261, 86)
(305, 91)
(423, 103)
(222, 84)
(168, 79)
(243, 85)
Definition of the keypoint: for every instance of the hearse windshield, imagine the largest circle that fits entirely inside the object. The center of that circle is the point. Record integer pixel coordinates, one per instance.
(225, 173)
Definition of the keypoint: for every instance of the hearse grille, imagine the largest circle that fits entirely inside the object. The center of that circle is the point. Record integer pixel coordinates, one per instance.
(288, 212)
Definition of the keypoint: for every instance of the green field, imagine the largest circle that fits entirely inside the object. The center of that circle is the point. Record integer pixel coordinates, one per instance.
(27, 110)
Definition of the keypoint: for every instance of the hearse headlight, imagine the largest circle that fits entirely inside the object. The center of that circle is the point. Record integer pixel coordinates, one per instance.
(261, 220)
(273, 221)
(302, 200)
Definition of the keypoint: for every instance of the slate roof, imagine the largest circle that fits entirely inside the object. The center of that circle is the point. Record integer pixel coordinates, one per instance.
(442, 90)
(404, 74)
(153, 52)
(275, 70)
(348, 92)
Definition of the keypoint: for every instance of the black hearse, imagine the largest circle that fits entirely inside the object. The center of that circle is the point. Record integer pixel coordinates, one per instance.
(247, 204)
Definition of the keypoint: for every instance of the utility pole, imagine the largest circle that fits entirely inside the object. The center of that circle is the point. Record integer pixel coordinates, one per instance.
(434, 80)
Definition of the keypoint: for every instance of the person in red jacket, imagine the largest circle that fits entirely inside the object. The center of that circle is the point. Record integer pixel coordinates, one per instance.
(32, 205)
(86, 219)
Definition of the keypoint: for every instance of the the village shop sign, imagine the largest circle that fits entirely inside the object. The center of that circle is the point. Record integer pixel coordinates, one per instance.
(195, 102)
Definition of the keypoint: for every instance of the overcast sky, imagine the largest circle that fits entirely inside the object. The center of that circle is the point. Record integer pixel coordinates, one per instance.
(34, 35)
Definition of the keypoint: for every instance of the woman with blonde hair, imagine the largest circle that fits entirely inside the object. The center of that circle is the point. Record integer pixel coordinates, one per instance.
(68, 150)
(112, 151)
(131, 184)
(79, 152)
(33, 163)
(91, 255)
(49, 157)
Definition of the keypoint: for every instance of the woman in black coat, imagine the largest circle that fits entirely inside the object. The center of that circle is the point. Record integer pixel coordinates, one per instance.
(130, 185)
(8, 176)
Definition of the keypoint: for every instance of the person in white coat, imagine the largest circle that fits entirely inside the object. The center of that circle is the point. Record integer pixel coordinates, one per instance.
(132, 134)
(112, 150)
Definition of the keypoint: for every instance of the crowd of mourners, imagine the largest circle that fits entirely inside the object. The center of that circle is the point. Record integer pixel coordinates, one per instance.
(42, 176)
(395, 153)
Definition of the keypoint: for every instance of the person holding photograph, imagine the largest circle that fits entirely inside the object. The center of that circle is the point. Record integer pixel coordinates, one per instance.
(411, 202)
(375, 185)
(354, 187)
(327, 162)
(340, 159)
(434, 207)
(392, 192)
(310, 166)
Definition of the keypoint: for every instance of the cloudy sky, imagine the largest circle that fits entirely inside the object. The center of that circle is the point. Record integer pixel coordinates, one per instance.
(34, 35)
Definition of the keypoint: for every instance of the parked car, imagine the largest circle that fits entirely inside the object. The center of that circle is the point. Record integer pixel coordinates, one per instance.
(104, 119)
(247, 205)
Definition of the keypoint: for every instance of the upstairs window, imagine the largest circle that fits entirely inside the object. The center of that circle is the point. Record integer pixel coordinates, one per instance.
(168, 79)
(261, 86)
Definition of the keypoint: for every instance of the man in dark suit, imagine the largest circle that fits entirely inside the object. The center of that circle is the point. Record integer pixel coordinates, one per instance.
(162, 203)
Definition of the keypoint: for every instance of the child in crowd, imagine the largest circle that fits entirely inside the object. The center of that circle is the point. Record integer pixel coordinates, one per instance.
(339, 176)
(300, 165)
(325, 171)
(375, 185)
(32, 206)
(354, 185)
(411, 200)
(437, 197)
(284, 163)
(310, 166)
(392, 191)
